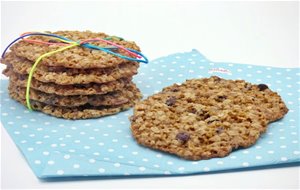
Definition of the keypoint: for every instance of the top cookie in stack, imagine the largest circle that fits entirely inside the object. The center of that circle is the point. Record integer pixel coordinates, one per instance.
(76, 83)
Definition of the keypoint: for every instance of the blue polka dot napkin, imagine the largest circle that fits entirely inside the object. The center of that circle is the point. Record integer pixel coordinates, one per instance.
(104, 147)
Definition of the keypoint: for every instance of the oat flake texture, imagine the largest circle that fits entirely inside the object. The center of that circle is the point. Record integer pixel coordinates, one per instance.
(104, 147)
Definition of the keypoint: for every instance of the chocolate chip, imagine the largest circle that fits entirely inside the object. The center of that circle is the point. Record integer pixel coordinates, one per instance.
(22, 77)
(262, 87)
(175, 89)
(171, 101)
(219, 130)
(183, 137)
(53, 41)
(221, 98)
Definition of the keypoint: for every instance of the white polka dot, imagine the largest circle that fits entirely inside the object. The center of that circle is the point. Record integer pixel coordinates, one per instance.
(54, 131)
(37, 162)
(101, 170)
(53, 145)
(115, 140)
(245, 152)
(158, 155)
(46, 136)
(295, 141)
(101, 144)
(293, 133)
(258, 157)
(32, 120)
(68, 136)
(67, 156)
(124, 146)
(60, 172)
(92, 161)
(17, 132)
(170, 163)
(134, 153)
(62, 144)
(181, 168)
(106, 158)
(71, 150)
(120, 157)
(23, 141)
(220, 162)
(38, 142)
(296, 152)
(96, 153)
(283, 159)
(10, 123)
(46, 153)
(110, 150)
(270, 152)
(51, 162)
(156, 165)
(131, 162)
(270, 142)
(239, 70)
(142, 169)
(4, 114)
(233, 157)
(167, 172)
(86, 147)
(145, 160)
(30, 149)
(77, 141)
(283, 146)
(258, 71)
(245, 164)
(75, 166)
(32, 135)
(47, 123)
(194, 163)
(206, 169)
(39, 129)
(82, 133)
(282, 138)
(117, 165)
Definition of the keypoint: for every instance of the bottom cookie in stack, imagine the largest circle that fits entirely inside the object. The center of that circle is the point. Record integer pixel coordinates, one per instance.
(109, 99)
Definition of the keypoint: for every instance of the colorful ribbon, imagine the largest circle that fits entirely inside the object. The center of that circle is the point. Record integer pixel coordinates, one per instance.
(67, 44)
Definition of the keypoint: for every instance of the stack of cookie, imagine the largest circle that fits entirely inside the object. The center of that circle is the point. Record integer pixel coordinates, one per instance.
(77, 83)
(206, 118)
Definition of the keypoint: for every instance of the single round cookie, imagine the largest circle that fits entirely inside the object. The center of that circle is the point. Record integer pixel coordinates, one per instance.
(199, 119)
(66, 76)
(81, 112)
(76, 57)
(68, 90)
(114, 98)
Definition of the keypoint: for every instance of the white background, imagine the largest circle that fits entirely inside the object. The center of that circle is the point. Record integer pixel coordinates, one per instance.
(260, 33)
